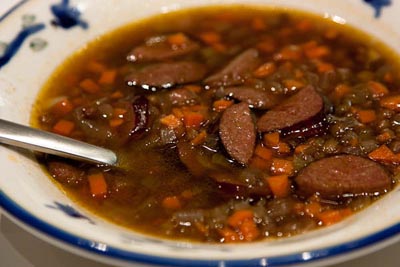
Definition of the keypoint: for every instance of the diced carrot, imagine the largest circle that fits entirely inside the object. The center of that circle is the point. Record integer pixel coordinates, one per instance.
(219, 47)
(304, 25)
(377, 89)
(285, 32)
(239, 216)
(391, 102)
(62, 107)
(312, 209)
(177, 112)
(77, 101)
(187, 194)
(258, 24)
(271, 139)
(177, 39)
(279, 185)
(265, 70)
(210, 37)
(97, 184)
(288, 53)
(95, 67)
(259, 163)
(194, 88)
(171, 121)
(89, 86)
(388, 77)
(199, 139)
(72, 79)
(340, 91)
(331, 34)
(64, 127)
(263, 152)
(330, 217)
(228, 235)
(317, 52)
(293, 84)
(115, 122)
(108, 77)
(249, 230)
(193, 119)
(222, 104)
(384, 137)
(172, 203)
(323, 66)
(366, 115)
(385, 155)
(301, 148)
(283, 148)
(116, 95)
(282, 166)
(298, 73)
(266, 46)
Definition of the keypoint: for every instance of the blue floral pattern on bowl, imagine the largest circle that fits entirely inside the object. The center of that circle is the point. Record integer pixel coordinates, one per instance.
(65, 16)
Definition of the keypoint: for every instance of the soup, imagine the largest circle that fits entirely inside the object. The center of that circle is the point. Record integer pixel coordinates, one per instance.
(231, 124)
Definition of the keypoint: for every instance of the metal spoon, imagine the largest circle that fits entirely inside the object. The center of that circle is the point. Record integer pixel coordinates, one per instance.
(33, 139)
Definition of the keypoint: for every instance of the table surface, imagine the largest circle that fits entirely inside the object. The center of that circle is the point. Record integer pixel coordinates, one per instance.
(19, 248)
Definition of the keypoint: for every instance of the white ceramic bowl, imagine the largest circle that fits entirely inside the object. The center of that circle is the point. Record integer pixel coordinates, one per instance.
(29, 197)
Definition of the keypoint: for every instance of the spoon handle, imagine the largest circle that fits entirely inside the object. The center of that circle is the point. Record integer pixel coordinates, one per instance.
(42, 141)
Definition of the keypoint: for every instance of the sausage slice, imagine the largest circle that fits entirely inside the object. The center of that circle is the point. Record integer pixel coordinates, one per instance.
(237, 71)
(165, 75)
(158, 48)
(237, 132)
(301, 114)
(256, 98)
(341, 176)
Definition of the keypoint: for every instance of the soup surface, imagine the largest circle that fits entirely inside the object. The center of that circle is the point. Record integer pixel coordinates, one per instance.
(231, 124)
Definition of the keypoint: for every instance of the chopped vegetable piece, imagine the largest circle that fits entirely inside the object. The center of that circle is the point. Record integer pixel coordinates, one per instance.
(279, 185)
(366, 116)
(108, 77)
(330, 217)
(263, 152)
(193, 119)
(98, 185)
(63, 107)
(222, 104)
(172, 203)
(171, 121)
(282, 166)
(64, 127)
(89, 86)
(385, 155)
(265, 70)
(271, 139)
(391, 102)
(377, 89)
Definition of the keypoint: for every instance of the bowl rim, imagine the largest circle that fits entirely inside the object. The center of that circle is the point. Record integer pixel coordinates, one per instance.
(37, 225)
(28, 219)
